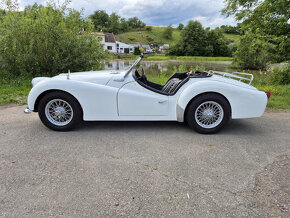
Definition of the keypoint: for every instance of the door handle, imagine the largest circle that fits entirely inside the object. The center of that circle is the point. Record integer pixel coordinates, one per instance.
(162, 101)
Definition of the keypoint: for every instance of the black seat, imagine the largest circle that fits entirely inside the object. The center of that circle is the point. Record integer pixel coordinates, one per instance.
(171, 85)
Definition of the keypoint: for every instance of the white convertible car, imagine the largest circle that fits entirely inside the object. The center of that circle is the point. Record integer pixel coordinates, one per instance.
(206, 101)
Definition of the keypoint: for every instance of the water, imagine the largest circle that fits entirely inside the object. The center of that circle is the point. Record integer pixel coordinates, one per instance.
(168, 67)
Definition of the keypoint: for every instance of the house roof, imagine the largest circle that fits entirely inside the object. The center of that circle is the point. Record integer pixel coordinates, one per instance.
(109, 37)
(98, 33)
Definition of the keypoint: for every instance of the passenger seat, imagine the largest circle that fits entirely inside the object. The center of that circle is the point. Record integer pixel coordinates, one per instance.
(171, 85)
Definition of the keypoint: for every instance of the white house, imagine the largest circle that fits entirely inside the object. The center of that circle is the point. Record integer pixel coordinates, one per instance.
(123, 48)
(110, 43)
(108, 40)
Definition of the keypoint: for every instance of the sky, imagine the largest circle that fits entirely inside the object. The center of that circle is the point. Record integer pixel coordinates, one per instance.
(156, 12)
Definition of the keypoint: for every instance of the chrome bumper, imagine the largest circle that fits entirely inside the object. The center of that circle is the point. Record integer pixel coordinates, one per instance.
(27, 111)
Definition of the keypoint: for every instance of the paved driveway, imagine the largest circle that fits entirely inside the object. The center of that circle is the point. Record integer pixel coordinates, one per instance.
(143, 169)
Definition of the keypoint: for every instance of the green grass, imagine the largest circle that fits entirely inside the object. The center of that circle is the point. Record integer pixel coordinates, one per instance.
(157, 35)
(143, 37)
(280, 98)
(232, 37)
(162, 57)
(16, 91)
(158, 57)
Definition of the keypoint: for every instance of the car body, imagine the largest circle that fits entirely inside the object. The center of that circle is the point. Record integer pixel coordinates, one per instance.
(129, 96)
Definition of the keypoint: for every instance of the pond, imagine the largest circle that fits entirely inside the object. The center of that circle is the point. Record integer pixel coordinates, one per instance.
(164, 69)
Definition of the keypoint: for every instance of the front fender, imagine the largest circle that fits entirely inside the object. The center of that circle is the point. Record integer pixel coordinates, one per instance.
(95, 99)
(244, 102)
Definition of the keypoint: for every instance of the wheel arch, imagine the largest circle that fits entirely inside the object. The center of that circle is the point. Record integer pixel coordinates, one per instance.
(40, 96)
(204, 93)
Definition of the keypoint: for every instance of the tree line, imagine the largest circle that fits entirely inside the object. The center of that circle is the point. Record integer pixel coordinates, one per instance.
(46, 41)
(115, 23)
(197, 41)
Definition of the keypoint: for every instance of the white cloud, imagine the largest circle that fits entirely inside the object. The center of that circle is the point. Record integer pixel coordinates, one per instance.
(157, 12)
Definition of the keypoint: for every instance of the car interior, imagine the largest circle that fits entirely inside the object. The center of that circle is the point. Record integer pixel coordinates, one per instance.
(172, 85)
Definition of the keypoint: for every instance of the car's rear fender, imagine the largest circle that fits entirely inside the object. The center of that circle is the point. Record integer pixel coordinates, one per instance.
(244, 102)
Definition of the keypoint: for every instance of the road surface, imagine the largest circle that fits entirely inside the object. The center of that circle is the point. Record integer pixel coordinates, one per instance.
(143, 169)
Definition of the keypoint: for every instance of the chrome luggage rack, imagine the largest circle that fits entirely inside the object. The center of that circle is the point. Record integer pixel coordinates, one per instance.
(249, 78)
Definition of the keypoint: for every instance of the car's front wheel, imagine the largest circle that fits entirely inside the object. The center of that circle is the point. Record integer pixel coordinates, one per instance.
(59, 111)
(208, 113)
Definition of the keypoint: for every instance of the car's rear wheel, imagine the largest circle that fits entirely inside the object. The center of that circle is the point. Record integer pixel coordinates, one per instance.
(208, 113)
(59, 111)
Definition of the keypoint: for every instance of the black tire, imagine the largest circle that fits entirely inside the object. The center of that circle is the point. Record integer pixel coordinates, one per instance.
(197, 103)
(73, 103)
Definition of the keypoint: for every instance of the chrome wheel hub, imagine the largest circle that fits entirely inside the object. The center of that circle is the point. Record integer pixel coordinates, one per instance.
(59, 112)
(209, 114)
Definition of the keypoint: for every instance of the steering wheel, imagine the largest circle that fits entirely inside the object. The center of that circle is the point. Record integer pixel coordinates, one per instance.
(143, 76)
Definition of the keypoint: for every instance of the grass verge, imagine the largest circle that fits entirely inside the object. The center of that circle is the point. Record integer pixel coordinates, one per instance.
(16, 91)
(163, 57)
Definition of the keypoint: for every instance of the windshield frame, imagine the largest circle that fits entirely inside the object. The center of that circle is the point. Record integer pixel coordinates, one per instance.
(134, 65)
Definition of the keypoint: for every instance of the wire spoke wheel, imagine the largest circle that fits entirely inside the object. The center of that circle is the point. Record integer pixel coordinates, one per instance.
(59, 112)
(209, 114)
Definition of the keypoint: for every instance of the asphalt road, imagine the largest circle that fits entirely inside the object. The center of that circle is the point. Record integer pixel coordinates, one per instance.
(144, 169)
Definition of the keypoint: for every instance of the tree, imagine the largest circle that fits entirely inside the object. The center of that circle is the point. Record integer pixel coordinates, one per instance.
(114, 23)
(135, 23)
(193, 41)
(217, 44)
(9, 5)
(230, 29)
(167, 33)
(253, 52)
(271, 16)
(100, 18)
(124, 27)
(180, 26)
(265, 17)
(47, 41)
(137, 51)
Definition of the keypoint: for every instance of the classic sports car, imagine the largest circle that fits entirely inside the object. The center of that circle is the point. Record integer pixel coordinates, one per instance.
(206, 101)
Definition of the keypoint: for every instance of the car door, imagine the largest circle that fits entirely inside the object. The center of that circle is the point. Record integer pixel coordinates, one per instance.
(135, 100)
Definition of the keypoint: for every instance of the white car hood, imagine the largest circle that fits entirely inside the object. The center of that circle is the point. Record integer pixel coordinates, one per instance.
(97, 77)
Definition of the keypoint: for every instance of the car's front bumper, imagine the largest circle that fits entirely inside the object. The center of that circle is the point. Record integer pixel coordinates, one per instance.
(27, 111)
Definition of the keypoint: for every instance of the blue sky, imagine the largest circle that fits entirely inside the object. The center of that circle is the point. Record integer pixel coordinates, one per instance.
(156, 12)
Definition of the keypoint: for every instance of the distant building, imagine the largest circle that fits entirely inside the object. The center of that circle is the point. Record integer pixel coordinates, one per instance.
(146, 48)
(108, 40)
(123, 48)
(113, 46)
(164, 47)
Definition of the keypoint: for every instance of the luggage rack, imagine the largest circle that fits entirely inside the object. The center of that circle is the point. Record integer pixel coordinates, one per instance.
(249, 78)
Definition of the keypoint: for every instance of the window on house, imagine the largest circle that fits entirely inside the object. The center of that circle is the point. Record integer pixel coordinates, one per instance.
(110, 48)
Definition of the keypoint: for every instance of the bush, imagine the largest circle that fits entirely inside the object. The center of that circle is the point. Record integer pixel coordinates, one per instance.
(253, 51)
(148, 28)
(131, 38)
(47, 41)
(280, 76)
(137, 51)
(168, 31)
